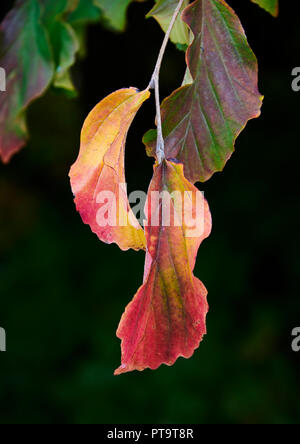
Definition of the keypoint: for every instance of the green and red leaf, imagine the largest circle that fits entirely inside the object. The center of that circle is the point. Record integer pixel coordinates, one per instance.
(26, 56)
(100, 168)
(37, 47)
(166, 318)
(202, 120)
(270, 6)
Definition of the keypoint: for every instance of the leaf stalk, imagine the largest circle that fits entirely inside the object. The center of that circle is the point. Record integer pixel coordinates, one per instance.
(154, 84)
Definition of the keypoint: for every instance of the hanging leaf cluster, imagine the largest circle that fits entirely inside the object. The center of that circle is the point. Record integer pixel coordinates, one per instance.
(200, 122)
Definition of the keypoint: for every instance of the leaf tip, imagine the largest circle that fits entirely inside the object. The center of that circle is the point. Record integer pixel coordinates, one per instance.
(122, 369)
(8, 152)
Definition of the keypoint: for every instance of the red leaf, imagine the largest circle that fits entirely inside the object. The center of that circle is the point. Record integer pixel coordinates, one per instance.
(166, 318)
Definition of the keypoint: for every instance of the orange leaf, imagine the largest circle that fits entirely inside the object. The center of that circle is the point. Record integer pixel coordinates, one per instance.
(98, 178)
(166, 318)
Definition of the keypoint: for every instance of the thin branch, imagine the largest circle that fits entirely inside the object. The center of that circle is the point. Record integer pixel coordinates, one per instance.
(154, 83)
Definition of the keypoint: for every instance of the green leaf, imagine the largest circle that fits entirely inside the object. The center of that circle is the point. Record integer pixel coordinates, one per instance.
(26, 56)
(163, 12)
(115, 11)
(86, 11)
(202, 120)
(63, 41)
(270, 6)
(72, 5)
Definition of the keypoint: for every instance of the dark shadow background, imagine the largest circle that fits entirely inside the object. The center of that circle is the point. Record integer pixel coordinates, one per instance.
(63, 291)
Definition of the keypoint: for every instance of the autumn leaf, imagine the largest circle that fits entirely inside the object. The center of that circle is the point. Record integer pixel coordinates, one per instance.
(201, 121)
(98, 174)
(26, 56)
(163, 12)
(270, 6)
(166, 318)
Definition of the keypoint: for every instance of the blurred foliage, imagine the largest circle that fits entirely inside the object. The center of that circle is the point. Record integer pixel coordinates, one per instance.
(63, 292)
(39, 43)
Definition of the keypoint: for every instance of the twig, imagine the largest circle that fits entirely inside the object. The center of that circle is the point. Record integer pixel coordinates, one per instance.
(154, 83)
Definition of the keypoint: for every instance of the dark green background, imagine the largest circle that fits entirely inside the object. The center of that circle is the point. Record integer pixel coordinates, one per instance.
(63, 291)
